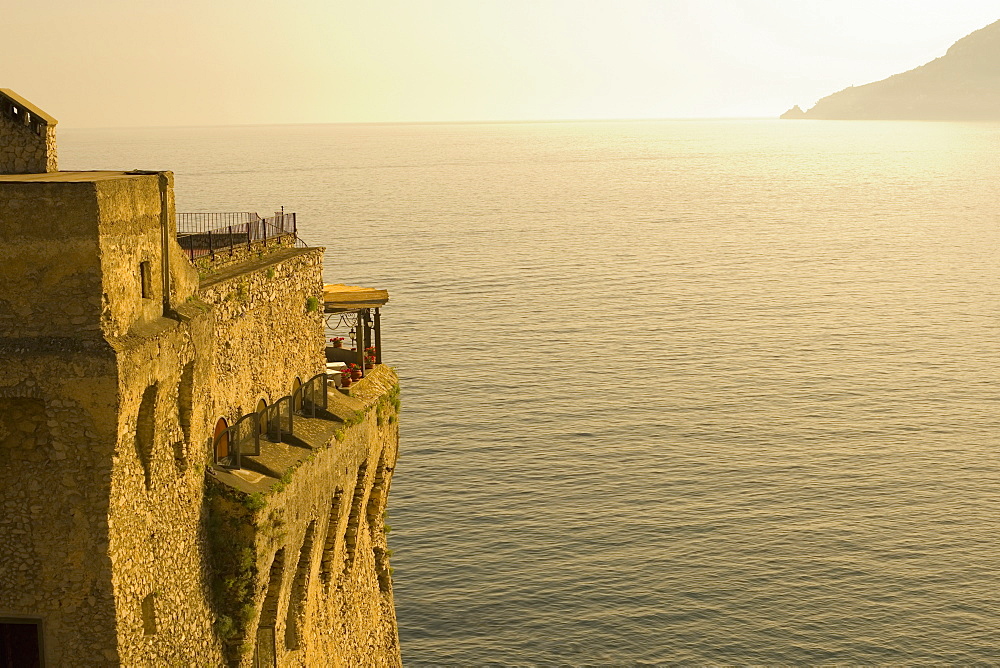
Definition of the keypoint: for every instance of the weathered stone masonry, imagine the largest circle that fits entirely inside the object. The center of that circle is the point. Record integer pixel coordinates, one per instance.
(120, 538)
(315, 540)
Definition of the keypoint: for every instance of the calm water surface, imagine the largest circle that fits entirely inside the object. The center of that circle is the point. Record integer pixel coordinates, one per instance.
(675, 392)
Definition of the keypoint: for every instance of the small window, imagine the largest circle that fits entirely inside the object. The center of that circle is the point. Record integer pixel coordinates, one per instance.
(149, 615)
(145, 433)
(146, 279)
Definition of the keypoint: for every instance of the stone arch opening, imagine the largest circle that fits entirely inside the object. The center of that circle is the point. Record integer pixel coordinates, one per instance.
(265, 651)
(145, 433)
(180, 457)
(376, 497)
(299, 592)
(373, 512)
(328, 561)
(185, 399)
(354, 519)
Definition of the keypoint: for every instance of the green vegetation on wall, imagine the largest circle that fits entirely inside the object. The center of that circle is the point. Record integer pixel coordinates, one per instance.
(230, 531)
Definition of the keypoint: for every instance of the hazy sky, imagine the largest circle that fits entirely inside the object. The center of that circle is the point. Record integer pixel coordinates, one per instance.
(105, 63)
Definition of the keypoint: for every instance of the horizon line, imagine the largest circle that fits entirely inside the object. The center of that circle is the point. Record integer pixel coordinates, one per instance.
(463, 122)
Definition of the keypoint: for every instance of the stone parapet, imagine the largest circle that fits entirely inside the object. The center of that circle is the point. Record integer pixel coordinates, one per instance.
(210, 263)
(27, 136)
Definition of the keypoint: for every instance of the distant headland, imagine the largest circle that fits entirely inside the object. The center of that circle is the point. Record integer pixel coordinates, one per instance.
(962, 85)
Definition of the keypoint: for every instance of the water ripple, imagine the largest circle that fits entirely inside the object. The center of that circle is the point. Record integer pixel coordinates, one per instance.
(675, 393)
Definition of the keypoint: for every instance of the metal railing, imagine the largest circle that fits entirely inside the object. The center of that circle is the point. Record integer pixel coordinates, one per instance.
(312, 397)
(277, 419)
(243, 438)
(193, 223)
(201, 234)
(272, 423)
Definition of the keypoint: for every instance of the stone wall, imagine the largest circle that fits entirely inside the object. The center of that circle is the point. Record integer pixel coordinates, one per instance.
(49, 260)
(24, 152)
(234, 255)
(156, 517)
(321, 581)
(57, 402)
(350, 612)
(108, 494)
(165, 354)
(72, 250)
(267, 330)
(245, 335)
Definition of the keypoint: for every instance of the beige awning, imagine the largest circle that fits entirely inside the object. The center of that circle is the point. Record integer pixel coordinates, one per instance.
(338, 297)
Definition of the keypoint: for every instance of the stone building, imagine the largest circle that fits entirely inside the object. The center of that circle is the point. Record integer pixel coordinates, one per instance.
(181, 482)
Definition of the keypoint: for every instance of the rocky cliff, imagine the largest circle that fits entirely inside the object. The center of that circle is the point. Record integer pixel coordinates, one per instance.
(962, 85)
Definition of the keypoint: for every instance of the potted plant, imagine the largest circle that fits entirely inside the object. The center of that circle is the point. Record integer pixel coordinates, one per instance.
(345, 377)
(369, 357)
(355, 371)
(337, 341)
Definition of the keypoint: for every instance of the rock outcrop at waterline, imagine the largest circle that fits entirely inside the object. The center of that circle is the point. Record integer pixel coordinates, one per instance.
(962, 85)
(793, 113)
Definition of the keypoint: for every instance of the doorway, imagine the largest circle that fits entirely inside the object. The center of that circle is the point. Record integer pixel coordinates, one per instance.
(20, 643)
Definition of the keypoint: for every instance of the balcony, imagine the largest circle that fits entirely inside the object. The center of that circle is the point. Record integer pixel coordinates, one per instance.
(258, 452)
(356, 313)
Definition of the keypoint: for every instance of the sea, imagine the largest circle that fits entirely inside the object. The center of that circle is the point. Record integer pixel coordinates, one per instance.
(675, 393)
